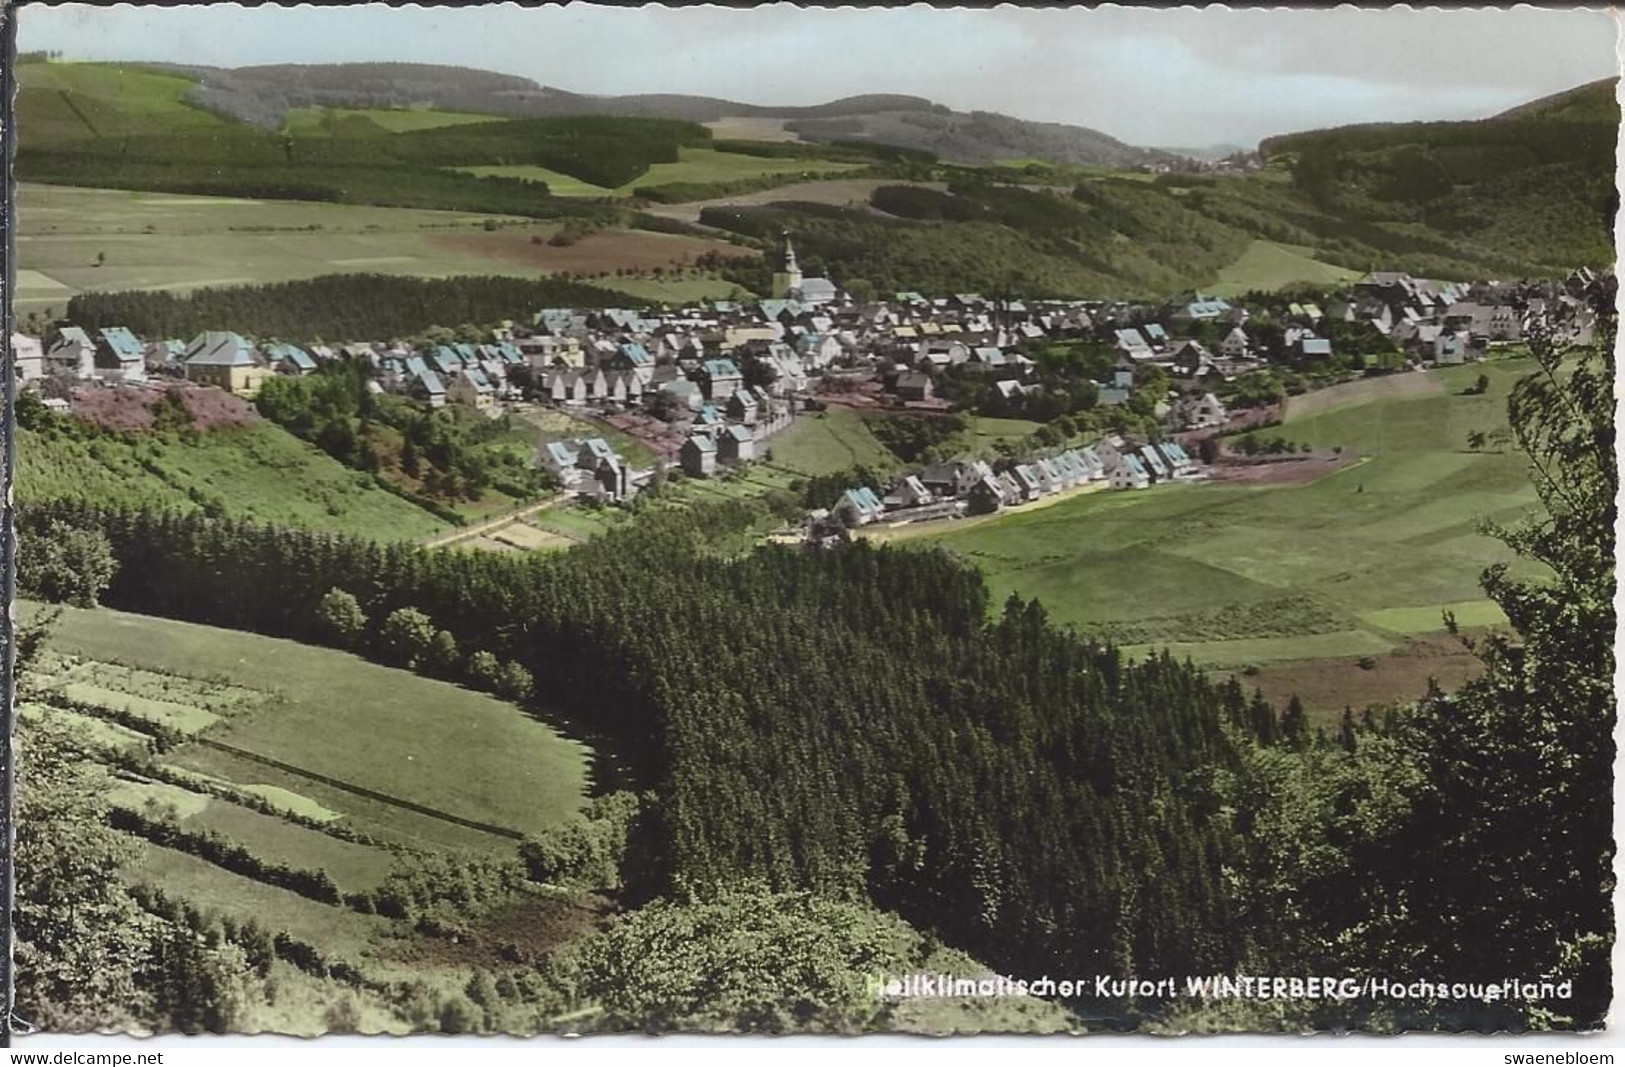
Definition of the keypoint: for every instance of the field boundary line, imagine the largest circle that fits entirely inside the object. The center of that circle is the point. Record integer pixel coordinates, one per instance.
(67, 98)
(362, 791)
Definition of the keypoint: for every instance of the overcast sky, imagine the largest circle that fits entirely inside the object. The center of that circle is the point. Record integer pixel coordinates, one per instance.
(1181, 77)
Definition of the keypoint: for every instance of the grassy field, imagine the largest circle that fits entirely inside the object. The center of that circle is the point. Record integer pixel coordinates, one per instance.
(324, 736)
(832, 440)
(678, 290)
(259, 472)
(334, 716)
(105, 102)
(985, 431)
(314, 121)
(338, 932)
(700, 165)
(1360, 391)
(1345, 566)
(180, 243)
(742, 128)
(1270, 265)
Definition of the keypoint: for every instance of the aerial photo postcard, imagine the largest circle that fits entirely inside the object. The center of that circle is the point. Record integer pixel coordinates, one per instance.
(582, 519)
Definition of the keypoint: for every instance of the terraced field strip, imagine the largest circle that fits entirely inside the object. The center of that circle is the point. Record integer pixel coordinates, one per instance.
(182, 717)
(362, 791)
(133, 794)
(339, 932)
(98, 732)
(1468, 613)
(1248, 651)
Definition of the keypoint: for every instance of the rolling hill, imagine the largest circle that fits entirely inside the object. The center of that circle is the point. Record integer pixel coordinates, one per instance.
(264, 95)
(881, 200)
(1536, 181)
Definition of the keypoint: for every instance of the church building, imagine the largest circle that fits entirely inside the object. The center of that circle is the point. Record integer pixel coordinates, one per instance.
(788, 284)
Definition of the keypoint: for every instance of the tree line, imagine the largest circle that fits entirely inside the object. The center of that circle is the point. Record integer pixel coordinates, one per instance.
(336, 308)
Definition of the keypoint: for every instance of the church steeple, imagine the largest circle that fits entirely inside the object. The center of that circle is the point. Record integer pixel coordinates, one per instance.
(787, 279)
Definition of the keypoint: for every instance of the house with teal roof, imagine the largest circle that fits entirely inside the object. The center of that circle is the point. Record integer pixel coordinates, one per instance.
(860, 506)
(119, 356)
(427, 386)
(223, 359)
(1127, 472)
(289, 359)
(720, 378)
(698, 455)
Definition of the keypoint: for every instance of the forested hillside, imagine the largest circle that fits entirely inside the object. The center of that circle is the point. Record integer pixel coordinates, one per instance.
(344, 307)
(810, 776)
(263, 95)
(1125, 237)
(1537, 181)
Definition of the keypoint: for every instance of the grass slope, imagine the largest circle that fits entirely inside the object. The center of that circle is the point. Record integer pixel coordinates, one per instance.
(181, 243)
(258, 472)
(336, 931)
(319, 121)
(85, 101)
(1237, 575)
(833, 440)
(1268, 265)
(694, 165)
(339, 717)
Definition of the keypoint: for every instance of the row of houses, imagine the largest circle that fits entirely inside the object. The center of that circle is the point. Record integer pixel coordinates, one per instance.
(476, 374)
(955, 488)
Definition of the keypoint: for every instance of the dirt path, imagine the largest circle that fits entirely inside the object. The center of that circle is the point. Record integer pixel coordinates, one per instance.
(489, 526)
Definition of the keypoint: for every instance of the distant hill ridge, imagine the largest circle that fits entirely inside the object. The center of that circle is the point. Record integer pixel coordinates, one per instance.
(1593, 103)
(263, 95)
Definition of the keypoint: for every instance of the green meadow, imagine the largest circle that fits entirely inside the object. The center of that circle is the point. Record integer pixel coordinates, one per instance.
(319, 121)
(260, 472)
(66, 102)
(74, 240)
(1270, 265)
(986, 431)
(694, 165)
(1345, 565)
(311, 760)
(823, 442)
(339, 723)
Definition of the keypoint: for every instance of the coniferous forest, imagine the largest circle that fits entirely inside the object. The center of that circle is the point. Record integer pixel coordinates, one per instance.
(864, 725)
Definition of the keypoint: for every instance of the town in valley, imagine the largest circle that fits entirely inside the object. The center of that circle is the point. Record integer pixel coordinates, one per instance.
(808, 541)
(707, 387)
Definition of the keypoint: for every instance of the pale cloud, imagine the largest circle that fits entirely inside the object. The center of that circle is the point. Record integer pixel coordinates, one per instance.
(1190, 76)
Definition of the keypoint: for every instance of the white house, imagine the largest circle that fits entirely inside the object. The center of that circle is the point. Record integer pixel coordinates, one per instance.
(27, 358)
